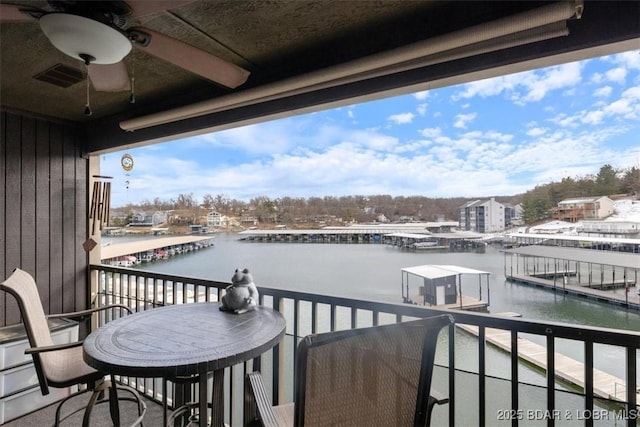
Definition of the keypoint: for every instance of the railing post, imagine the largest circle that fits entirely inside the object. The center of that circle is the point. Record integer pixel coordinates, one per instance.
(482, 413)
(278, 360)
(588, 381)
(551, 376)
(452, 375)
(514, 377)
(633, 413)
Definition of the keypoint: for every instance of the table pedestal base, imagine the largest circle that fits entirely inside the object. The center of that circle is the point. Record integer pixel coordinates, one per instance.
(186, 411)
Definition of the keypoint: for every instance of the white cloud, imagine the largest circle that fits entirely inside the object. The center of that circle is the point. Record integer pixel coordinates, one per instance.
(536, 131)
(616, 75)
(559, 77)
(529, 86)
(626, 108)
(603, 91)
(632, 94)
(597, 78)
(431, 132)
(629, 60)
(421, 96)
(463, 119)
(490, 87)
(402, 118)
(593, 117)
(421, 109)
(265, 138)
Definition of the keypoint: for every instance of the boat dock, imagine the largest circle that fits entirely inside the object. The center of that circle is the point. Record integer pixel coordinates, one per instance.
(588, 273)
(567, 369)
(630, 300)
(406, 235)
(441, 286)
(161, 246)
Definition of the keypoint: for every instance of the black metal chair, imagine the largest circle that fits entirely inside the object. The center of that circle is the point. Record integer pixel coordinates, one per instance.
(375, 376)
(62, 365)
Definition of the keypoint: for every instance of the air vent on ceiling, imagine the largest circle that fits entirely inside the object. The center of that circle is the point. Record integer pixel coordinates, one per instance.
(61, 75)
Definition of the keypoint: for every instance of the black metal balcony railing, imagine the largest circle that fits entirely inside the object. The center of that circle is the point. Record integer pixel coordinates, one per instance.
(477, 395)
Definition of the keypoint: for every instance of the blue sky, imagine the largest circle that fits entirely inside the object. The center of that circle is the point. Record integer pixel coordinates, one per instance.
(499, 136)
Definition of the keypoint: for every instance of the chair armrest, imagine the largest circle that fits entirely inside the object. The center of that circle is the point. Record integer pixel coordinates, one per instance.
(437, 398)
(258, 409)
(82, 313)
(55, 347)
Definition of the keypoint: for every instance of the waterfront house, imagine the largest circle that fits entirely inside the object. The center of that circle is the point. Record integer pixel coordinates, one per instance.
(576, 209)
(217, 220)
(158, 218)
(141, 219)
(54, 128)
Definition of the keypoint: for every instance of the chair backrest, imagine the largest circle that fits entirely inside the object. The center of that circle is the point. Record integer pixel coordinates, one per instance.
(371, 376)
(23, 287)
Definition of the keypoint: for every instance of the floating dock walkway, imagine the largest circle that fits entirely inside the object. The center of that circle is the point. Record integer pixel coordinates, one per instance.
(630, 300)
(570, 370)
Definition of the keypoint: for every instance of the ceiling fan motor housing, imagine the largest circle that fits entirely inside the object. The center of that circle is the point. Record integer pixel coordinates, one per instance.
(80, 37)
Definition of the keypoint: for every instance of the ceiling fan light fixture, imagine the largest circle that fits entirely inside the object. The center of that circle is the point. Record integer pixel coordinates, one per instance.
(80, 37)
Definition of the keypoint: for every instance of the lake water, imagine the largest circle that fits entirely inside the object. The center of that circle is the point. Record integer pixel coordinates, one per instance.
(372, 271)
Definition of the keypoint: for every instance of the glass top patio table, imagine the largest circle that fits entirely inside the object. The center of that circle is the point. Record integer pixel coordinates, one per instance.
(182, 340)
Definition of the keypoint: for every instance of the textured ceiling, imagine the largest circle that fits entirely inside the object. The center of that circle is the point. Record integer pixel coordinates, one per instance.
(275, 40)
(272, 39)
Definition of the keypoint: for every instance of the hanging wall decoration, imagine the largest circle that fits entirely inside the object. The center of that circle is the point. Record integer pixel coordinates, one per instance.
(99, 210)
(126, 162)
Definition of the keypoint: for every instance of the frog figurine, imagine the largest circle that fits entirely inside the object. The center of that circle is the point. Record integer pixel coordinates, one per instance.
(242, 295)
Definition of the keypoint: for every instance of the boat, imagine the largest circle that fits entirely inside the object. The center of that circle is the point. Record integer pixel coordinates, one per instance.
(427, 245)
(124, 261)
(147, 256)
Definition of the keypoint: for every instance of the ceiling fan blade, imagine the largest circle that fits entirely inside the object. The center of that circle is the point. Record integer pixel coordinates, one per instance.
(17, 13)
(145, 7)
(191, 58)
(109, 77)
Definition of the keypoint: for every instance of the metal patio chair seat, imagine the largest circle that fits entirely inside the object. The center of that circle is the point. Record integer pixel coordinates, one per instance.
(62, 365)
(374, 376)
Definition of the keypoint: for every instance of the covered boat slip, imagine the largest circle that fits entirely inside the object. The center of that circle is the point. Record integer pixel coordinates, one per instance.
(141, 246)
(586, 242)
(586, 272)
(441, 285)
(413, 240)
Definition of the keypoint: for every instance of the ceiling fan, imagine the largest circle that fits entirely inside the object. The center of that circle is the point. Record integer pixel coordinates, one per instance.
(99, 33)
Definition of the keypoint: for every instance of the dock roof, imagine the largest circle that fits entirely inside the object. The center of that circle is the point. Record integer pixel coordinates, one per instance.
(436, 271)
(332, 231)
(572, 238)
(593, 256)
(128, 248)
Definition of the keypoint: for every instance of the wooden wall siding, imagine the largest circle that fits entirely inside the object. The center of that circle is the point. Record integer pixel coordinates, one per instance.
(43, 211)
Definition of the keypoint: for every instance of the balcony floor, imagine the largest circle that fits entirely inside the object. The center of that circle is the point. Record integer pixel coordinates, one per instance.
(99, 417)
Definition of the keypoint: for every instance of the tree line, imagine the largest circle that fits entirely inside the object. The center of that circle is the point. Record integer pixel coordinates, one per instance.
(537, 203)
